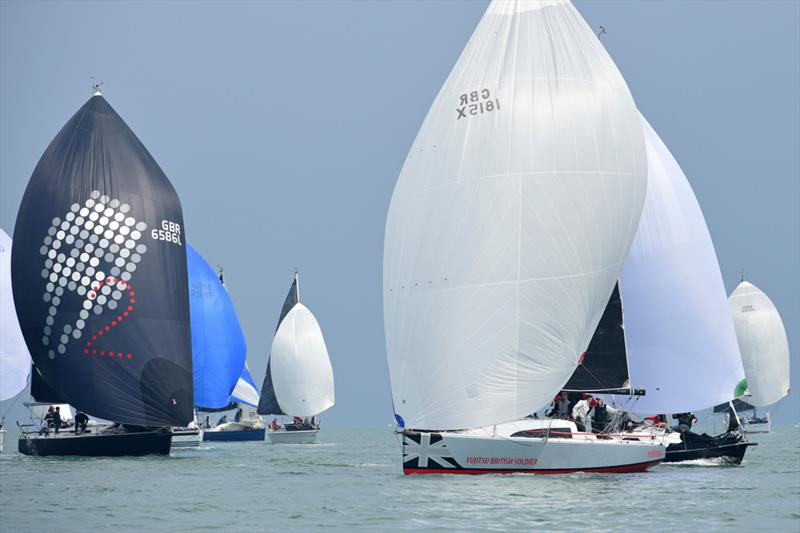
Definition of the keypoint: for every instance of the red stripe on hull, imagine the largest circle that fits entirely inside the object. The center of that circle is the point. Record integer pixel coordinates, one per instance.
(639, 467)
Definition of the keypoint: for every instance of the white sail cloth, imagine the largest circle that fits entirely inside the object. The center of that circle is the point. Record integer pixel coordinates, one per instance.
(245, 392)
(15, 361)
(681, 343)
(762, 343)
(510, 220)
(301, 369)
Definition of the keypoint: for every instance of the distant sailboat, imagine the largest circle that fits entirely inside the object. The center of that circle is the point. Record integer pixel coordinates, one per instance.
(505, 236)
(15, 362)
(765, 353)
(299, 379)
(679, 334)
(100, 287)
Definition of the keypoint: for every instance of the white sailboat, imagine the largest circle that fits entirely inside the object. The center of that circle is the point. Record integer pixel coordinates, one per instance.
(299, 380)
(15, 361)
(765, 352)
(506, 233)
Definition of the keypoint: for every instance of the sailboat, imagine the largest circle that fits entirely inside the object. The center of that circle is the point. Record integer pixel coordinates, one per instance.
(505, 236)
(680, 338)
(15, 362)
(100, 288)
(765, 353)
(299, 379)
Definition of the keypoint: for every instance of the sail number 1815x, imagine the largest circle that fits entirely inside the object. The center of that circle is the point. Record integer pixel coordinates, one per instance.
(476, 103)
(169, 232)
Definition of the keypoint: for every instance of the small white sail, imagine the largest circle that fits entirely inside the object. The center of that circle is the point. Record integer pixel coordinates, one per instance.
(762, 343)
(15, 361)
(681, 343)
(510, 220)
(301, 369)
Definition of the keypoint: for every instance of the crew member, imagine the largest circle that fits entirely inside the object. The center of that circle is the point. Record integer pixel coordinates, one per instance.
(581, 413)
(81, 421)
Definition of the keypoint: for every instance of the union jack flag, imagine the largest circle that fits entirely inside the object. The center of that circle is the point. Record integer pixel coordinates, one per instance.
(422, 449)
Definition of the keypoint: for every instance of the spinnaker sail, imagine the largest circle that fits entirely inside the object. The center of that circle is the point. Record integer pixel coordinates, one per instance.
(681, 343)
(15, 362)
(762, 343)
(99, 275)
(246, 391)
(218, 344)
(510, 220)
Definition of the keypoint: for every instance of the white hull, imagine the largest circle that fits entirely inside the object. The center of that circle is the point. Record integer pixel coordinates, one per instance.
(2, 438)
(186, 438)
(281, 436)
(556, 448)
(757, 427)
(245, 425)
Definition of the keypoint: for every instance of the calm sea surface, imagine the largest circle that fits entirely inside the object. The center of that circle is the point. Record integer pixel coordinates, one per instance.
(352, 481)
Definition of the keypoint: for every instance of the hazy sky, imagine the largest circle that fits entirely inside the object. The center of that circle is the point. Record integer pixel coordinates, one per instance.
(283, 127)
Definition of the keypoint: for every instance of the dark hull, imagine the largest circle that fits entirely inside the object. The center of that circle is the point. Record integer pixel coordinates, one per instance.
(729, 447)
(98, 445)
(234, 436)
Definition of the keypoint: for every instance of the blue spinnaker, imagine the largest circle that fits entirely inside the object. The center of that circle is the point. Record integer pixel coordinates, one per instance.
(218, 345)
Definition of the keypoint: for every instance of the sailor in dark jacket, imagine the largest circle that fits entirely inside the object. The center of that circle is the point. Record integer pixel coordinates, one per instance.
(602, 415)
(57, 419)
(685, 421)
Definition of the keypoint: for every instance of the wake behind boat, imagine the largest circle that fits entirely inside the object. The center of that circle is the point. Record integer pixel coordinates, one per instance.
(299, 379)
(100, 289)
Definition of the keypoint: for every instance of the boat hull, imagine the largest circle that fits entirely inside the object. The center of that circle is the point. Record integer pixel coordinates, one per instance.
(729, 448)
(98, 445)
(756, 425)
(234, 435)
(2, 439)
(186, 438)
(502, 451)
(281, 436)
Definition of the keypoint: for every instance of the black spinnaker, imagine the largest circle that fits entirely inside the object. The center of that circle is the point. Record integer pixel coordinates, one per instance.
(268, 403)
(99, 275)
(604, 366)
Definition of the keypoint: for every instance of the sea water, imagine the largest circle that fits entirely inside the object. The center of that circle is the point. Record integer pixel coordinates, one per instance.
(352, 481)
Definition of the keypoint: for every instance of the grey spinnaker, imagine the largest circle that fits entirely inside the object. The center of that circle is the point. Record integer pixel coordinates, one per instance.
(268, 402)
(99, 275)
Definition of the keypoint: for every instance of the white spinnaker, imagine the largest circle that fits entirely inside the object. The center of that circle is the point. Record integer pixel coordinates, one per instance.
(762, 343)
(301, 369)
(15, 361)
(510, 220)
(678, 329)
(244, 392)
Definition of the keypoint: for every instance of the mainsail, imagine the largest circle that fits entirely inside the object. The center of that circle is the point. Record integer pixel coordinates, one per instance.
(268, 403)
(604, 367)
(218, 344)
(15, 362)
(762, 343)
(510, 220)
(681, 342)
(299, 369)
(99, 275)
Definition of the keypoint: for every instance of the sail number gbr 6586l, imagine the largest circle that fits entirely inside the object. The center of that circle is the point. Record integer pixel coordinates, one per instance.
(169, 232)
(476, 103)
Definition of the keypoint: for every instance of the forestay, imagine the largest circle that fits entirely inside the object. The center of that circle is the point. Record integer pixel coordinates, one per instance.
(15, 362)
(99, 275)
(218, 344)
(681, 342)
(510, 220)
(301, 369)
(762, 343)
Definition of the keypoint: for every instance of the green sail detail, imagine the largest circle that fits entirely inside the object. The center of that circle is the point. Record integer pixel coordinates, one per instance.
(740, 389)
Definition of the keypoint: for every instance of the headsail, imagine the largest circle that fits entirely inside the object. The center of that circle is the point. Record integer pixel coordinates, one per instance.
(268, 403)
(604, 367)
(510, 220)
(15, 362)
(218, 344)
(246, 391)
(681, 342)
(99, 275)
(762, 343)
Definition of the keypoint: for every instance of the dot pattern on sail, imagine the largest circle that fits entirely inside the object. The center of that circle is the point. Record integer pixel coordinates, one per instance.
(93, 244)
